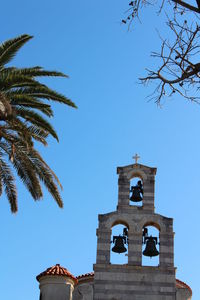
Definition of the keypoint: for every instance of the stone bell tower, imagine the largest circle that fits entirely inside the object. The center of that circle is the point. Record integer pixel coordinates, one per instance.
(133, 281)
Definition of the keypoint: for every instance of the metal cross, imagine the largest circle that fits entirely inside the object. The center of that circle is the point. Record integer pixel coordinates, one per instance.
(136, 157)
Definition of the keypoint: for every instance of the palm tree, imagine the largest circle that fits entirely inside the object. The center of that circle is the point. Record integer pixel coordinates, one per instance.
(24, 103)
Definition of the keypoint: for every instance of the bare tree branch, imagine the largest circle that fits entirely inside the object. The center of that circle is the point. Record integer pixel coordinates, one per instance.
(198, 3)
(179, 64)
(188, 6)
(177, 71)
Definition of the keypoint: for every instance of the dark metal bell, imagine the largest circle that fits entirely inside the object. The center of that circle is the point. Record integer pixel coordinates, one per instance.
(150, 249)
(119, 242)
(135, 197)
(137, 192)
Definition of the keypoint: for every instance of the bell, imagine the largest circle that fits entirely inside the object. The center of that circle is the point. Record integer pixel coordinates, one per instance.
(137, 192)
(119, 244)
(135, 197)
(150, 249)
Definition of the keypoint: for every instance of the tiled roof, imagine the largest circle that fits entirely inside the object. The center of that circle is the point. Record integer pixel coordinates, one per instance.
(85, 275)
(57, 270)
(182, 285)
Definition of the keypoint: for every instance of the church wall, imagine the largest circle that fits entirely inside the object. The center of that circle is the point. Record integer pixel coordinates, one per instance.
(122, 282)
(135, 219)
(133, 280)
(183, 294)
(84, 290)
(54, 288)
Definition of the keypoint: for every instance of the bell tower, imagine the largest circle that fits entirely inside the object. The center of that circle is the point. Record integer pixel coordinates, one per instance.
(133, 280)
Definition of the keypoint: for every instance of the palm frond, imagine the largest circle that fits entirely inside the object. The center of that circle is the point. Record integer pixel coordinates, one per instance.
(1, 187)
(54, 175)
(8, 181)
(33, 72)
(27, 173)
(30, 102)
(46, 176)
(38, 134)
(24, 161)
(42, 91)
(18, 129)
(24, 167)
(34, 118)
(22, 129)
(11, 81)
(9, 48)
(23, 106)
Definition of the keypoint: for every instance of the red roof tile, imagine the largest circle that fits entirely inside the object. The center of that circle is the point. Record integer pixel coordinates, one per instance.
(182, 285)
(57, 270)
(85, 275)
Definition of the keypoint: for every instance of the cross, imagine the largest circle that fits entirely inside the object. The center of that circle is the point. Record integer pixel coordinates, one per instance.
(136, 157)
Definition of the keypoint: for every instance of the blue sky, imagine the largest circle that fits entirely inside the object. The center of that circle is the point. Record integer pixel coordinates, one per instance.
(114, 120)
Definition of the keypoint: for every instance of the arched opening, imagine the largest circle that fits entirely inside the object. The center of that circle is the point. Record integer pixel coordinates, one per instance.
(150, 245)
(119, 243)
(136, 192)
